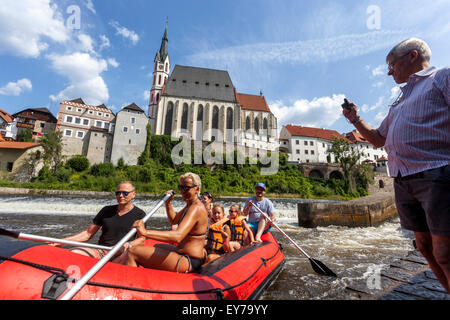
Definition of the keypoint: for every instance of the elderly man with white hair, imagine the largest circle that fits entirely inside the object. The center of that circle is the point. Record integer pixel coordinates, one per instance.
(416, 136)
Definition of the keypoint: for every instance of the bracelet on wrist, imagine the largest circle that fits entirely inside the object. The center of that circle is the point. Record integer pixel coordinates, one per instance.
(356, 120)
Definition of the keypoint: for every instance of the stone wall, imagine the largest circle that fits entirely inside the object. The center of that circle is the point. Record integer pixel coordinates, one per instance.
(363, 212)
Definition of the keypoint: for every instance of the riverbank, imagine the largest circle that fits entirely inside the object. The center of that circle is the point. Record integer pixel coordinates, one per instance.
(105, 194)
(407, 278)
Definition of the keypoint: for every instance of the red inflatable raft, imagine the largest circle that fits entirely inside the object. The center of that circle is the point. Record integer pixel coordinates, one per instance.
(33, 271)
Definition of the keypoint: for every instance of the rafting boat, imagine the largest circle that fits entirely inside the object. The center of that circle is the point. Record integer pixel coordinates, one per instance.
(35, 271)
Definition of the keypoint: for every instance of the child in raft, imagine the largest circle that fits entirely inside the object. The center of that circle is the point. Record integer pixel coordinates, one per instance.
(241, 234)
(219, 234)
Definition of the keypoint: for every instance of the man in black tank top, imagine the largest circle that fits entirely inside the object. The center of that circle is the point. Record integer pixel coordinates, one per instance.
(115, 222)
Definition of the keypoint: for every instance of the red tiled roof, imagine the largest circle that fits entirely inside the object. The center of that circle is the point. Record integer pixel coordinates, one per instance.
(325, 134)
(18, 145)
(252, 102)
(6, 116)
(383, 158)
(355, 136)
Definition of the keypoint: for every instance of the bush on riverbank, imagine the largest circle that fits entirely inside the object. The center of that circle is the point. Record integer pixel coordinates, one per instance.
(156, 174)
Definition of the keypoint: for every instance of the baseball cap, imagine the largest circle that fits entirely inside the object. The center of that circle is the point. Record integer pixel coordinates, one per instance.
(261, 185)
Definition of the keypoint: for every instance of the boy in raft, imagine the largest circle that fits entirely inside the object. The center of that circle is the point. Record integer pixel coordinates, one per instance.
(219, 234)
(241, 234)
(258, 225)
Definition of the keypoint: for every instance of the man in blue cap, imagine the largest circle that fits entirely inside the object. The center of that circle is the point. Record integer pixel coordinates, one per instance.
(258, 225)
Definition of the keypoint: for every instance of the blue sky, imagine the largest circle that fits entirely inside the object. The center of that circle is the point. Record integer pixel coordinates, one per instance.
(305, 56)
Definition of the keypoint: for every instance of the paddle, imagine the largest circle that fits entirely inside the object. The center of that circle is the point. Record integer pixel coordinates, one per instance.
(317, 265)
(26, 236)
(80, 283)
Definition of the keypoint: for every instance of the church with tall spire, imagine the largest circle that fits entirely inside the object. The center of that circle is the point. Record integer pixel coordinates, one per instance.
(204, 104)
(161, 70)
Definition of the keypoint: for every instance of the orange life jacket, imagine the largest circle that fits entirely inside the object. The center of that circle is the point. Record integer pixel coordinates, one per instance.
(215, 237)
(237, 229)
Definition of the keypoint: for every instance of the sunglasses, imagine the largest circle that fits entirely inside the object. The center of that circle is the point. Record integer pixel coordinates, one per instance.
(185, 188)
(124, 193)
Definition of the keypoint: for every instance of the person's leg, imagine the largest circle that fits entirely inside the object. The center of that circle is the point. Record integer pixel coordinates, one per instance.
(163, 257)
(425, 244)
(261, 227)
(89, 252)
(441, 253)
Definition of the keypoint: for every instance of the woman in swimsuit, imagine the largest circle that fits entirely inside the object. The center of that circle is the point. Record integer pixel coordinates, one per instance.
(192, 221)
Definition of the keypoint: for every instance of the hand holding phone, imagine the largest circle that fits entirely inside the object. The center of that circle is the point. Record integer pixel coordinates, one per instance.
(346, 105)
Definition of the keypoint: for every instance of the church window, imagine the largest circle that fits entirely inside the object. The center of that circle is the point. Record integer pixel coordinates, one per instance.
(200, 113)
(215, 118)
(154, 79)
(184, 117)
(247, 123)
(229, 118)
(257, 125)
(159, 79)
(168, 122)
(167, 67)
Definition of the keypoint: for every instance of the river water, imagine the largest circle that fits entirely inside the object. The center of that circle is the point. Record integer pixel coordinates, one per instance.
(354, 254)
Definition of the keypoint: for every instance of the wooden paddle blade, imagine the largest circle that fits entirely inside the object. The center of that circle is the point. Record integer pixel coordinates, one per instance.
(8, 233)
(321, 269)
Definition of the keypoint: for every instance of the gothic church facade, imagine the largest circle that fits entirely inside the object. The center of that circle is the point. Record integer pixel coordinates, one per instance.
(203, 104)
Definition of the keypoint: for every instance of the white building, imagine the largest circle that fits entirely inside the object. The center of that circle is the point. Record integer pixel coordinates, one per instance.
(8, 125)
(369, 153)
(307, 145)
(130, 135)
(87, 130)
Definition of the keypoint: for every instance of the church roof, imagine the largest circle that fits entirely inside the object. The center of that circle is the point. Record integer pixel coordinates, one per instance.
(252, 102)
(193, 82)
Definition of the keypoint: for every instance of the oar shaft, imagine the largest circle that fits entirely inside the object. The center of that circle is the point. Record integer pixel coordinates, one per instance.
(282, 232)
(80, 283)
(62, 241)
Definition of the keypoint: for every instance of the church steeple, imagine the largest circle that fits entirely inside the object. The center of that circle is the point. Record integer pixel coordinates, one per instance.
(160, 75)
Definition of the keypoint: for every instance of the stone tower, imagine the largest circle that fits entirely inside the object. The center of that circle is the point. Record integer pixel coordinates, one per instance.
(161, 70)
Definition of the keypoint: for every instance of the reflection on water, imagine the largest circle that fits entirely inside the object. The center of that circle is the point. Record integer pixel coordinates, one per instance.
(349, 252)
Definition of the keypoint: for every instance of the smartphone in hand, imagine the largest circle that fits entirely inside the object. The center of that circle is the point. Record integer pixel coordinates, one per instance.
(346, 105)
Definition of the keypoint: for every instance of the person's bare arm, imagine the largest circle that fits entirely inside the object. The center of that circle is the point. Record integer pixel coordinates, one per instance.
(85, 235)
(372, 135)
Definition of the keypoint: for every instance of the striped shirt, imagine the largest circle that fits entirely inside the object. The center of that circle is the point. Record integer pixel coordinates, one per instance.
(417, 128)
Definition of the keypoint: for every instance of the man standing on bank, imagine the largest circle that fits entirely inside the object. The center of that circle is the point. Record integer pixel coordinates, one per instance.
(416, 136)
(115, 221)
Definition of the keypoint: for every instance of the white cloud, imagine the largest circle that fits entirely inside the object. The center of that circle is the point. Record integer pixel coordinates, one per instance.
(379, 104)
(320, 112)
(124, 32)
(90, 6)
(305, 52)
(83, 72)
(86, 43)
(395, 91)
(146, 95)
(105, 42)
(16, 88)
(27, 25)
(381, 70)
(113, 62)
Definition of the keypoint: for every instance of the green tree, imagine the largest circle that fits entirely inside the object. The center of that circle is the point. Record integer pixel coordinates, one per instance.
(25, 136)
(52, 145)
(78, 163)
(348, 159)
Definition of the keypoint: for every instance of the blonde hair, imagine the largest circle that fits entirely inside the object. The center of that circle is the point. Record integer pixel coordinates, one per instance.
(194, 177)
(219, 206)
(237, 206)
